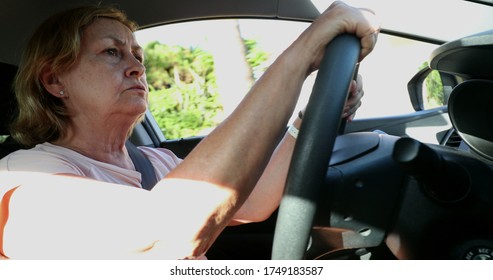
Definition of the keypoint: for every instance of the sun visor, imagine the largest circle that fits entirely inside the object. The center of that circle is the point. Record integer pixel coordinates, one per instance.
(471, 113)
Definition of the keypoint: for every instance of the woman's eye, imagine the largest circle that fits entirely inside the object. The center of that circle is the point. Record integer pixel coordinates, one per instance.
(140, 58)
(113, 52)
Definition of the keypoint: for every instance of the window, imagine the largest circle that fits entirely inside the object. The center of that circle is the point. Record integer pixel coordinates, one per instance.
(199, 71)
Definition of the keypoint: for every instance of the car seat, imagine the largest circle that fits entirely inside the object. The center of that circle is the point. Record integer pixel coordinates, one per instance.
(8, 108)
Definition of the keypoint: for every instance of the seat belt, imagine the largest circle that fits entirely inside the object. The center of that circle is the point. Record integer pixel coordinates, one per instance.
(143, 165)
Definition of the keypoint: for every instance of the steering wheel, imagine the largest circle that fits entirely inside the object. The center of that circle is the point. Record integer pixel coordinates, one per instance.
(313, 149)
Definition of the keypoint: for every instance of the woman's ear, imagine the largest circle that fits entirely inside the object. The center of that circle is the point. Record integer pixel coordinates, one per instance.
(51, 82)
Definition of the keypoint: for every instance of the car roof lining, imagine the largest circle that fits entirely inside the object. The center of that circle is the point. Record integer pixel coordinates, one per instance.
(149, 13)
(152, 15)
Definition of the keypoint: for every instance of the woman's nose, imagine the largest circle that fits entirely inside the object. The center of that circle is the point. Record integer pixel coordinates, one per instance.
(135, 68)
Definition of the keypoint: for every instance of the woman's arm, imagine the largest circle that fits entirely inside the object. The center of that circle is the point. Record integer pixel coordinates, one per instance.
(54, 217)
(72, 217)
(267, 194)
(235, 155)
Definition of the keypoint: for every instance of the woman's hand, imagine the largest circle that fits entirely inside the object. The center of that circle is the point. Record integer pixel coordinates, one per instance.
(339, 18)
(354, 99)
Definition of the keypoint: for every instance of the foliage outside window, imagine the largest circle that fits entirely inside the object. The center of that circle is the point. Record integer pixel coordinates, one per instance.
(183, 90)
(433, 95)
(183, 95)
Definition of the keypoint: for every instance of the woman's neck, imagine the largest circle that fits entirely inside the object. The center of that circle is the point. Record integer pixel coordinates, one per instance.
(102, 145)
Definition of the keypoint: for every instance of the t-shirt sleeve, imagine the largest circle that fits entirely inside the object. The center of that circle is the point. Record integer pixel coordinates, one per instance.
(162, 159)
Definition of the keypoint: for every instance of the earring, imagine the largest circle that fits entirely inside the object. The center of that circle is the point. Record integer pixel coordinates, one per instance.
(62, 93)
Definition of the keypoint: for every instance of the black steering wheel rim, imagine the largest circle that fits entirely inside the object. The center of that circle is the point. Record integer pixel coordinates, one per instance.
(313, 149)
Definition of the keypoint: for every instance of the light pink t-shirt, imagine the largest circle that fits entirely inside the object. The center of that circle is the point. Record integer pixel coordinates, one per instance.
(49, 158)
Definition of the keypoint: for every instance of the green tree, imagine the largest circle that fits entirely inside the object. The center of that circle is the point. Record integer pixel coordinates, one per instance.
(433, 95)
(183, 95)
(255, 57)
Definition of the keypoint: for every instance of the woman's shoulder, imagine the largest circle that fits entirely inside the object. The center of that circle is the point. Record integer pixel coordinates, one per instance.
(40, 151)
(43, 157)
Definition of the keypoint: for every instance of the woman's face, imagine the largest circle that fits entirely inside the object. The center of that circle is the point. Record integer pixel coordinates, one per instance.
(108, 81)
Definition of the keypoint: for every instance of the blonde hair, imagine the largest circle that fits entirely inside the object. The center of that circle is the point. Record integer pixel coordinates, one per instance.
(54, 45)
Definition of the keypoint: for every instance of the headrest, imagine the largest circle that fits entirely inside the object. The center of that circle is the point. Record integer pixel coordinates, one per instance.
(8, 103)
(471, 112)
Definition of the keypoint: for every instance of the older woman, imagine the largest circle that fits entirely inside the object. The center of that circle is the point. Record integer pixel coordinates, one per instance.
(82, 88)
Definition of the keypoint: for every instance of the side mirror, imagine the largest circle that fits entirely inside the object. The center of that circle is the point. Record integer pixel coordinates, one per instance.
(430, 89)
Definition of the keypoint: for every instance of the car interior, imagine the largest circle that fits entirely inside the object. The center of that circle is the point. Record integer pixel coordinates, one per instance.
(378, 182)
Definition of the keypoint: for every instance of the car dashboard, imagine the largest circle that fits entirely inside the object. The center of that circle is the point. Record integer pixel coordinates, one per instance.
(425, 201)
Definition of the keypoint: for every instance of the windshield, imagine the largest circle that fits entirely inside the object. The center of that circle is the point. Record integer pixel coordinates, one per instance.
(443, 20)
(219, 42)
